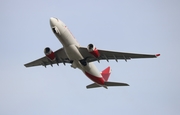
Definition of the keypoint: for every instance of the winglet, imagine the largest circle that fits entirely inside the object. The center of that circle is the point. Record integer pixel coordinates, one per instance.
(157, 55)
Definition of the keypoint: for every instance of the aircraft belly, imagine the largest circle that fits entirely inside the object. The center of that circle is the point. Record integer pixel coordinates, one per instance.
(70, 45)
(91, 69)
(66, 38)
(73, 53)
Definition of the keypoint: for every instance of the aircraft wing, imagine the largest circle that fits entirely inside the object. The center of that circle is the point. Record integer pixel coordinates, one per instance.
(61, 57)
(109, 55)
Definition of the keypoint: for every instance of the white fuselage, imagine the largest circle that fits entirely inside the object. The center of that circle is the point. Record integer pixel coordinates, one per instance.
(71, 46)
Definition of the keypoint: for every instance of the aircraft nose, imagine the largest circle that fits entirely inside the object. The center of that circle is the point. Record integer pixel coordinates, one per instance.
(52, 21)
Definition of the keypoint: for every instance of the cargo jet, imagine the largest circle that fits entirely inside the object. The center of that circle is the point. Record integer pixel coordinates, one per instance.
(82, 57)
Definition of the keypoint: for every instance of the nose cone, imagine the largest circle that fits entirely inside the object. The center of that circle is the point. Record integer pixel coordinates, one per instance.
(52, 21)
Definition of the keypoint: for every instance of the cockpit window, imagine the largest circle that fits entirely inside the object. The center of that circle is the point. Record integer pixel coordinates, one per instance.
(55, 30)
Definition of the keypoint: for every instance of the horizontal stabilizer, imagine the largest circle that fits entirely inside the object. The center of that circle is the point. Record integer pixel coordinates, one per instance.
(95, 85)
(115, 84)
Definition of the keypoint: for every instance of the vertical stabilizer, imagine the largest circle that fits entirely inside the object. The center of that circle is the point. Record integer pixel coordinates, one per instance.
(106, 73)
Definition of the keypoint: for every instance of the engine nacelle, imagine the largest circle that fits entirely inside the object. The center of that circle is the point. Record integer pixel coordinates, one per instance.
(93, 50)
(49, 54)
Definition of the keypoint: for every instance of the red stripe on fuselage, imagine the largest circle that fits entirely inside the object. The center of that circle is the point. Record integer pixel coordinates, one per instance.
(98, 80)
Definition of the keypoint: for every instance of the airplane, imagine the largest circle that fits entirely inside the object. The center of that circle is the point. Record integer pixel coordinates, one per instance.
(82, 57)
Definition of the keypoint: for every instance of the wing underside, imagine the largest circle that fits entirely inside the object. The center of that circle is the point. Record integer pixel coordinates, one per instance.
(61, 57)
(112, 55)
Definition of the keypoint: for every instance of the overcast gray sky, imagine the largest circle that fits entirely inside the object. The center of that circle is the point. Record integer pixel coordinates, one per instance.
(121, 25)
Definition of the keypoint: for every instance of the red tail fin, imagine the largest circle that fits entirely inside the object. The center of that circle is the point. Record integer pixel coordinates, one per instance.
(106, 73)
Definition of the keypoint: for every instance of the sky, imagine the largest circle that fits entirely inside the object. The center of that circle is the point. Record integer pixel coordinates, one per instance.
(141, 26)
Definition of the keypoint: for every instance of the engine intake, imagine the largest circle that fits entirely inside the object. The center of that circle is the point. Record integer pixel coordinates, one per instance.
(49, 54)
(93, 50)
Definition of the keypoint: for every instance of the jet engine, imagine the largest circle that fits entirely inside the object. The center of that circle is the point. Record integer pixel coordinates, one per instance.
(93, 50)
(49, 54)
